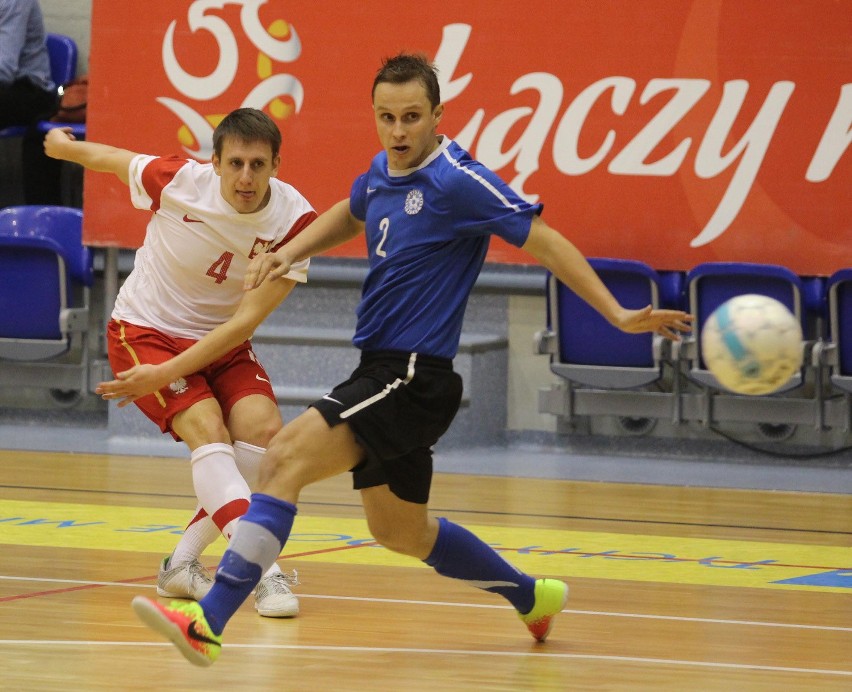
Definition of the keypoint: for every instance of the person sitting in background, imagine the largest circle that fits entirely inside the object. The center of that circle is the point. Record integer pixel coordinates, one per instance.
(28, 94)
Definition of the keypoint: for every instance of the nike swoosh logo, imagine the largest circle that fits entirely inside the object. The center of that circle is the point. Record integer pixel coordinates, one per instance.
(370, 190)
(198, 636)
(326, 396)
(188, 220)
(489, 584)
(263, 379)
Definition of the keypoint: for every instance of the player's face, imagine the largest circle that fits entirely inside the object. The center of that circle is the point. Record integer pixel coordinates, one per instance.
(406, 123)
(245, 169)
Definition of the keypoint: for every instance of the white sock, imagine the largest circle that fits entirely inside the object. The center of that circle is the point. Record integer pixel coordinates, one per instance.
(200, 533)
(219, 486)
(248, 459)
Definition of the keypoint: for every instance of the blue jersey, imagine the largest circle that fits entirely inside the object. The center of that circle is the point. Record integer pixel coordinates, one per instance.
(428, 230)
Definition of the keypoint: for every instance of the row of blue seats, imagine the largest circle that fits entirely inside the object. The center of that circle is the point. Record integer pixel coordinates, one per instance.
(586, 349)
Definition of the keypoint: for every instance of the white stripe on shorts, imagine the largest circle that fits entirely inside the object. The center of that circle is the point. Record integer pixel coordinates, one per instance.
(409, 375)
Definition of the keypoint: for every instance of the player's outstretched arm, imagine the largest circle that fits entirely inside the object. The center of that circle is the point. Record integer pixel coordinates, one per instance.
(330, 229)
(146, 378)
(568, 264)
(59, 143)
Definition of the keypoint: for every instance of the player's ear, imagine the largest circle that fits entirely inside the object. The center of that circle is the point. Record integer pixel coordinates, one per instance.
(216, 161)
(438, 112)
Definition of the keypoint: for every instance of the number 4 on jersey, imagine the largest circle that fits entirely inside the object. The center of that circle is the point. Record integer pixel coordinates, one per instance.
(219, 269)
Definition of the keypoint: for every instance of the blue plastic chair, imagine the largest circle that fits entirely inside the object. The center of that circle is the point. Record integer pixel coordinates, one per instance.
(586, 349)
(45, 277)
(709, 285)
(62, 51)
(839, 295)
(63, 68)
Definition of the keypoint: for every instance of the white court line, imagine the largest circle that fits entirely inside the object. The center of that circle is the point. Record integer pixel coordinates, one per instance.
(446, 604)
(446, 652)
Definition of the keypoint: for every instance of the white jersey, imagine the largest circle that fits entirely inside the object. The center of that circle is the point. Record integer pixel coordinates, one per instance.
(188, 275)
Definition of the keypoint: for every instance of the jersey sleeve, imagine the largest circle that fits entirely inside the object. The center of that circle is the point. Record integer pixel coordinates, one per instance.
(148, 176)
(358, 197)
(484, 204)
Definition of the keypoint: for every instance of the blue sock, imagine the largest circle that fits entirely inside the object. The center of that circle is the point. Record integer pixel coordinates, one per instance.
(461, 555)
(257, 541)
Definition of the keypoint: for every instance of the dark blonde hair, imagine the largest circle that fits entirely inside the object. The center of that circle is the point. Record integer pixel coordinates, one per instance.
(407, 67)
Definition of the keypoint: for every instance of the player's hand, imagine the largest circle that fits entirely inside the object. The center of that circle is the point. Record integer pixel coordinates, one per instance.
(269, 264)
(667, 323)
(55, 139)
(130, 385)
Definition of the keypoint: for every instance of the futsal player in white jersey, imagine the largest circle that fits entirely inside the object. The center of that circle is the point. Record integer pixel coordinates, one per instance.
(178, 338)
(428, 211)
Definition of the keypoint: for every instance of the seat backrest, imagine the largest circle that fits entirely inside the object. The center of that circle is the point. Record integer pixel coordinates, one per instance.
(55, 228)
(62, 51)
(839, 292)
(41, 258)
(710, 284)
(585, 337)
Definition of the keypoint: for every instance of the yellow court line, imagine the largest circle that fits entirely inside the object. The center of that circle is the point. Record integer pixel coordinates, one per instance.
(589, 554)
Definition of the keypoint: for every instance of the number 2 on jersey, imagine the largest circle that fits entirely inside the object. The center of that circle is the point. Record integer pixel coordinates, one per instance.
(384, 224)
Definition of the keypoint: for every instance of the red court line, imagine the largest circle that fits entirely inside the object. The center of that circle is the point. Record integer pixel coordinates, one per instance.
(84, 587)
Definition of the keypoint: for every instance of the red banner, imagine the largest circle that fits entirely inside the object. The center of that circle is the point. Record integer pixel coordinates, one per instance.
(671, 131)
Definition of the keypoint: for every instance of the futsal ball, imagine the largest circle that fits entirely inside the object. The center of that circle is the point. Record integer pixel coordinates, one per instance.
(752, 344)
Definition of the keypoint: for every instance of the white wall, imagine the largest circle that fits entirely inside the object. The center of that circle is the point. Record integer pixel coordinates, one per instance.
(528, 371)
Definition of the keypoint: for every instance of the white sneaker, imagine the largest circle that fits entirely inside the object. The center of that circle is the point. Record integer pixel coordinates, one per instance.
(273, 597)
(188, 580)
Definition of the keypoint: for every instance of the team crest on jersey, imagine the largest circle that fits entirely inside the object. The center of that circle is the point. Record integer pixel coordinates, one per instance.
(179, 386)
(259, 247)
(413, 202)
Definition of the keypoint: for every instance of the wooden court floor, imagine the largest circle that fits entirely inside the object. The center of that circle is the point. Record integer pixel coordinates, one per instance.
(671, 588)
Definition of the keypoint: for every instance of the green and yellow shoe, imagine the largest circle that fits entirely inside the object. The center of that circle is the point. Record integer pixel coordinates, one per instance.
(551, 595)
(184, 624)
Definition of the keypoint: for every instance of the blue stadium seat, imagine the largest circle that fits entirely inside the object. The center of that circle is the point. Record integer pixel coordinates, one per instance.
(63, 68)
(839, 294)
(586, 349)
(709, 285)
(62, 51)
(45, 278)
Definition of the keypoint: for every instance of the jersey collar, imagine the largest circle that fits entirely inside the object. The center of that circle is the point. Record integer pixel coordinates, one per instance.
(442, 145)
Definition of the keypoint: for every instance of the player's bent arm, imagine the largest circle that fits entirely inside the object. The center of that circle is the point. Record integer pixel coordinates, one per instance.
(145, 379)
(330, 229)
(569, 265)
(254, 307)
(59, 143)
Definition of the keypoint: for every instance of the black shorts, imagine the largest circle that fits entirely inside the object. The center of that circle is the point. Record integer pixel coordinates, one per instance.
(398, 405)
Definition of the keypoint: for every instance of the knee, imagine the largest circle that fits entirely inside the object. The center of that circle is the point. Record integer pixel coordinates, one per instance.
(394, 538)
(202, 428)
(283, 463)
(262, 433)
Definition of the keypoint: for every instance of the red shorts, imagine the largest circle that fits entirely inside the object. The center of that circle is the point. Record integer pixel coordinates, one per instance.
(228, 379)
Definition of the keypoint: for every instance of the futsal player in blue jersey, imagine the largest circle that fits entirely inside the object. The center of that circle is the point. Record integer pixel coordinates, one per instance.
(428, 210)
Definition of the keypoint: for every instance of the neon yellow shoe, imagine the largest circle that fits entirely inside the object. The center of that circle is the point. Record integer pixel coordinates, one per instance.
(551, 595)
(183, 623)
